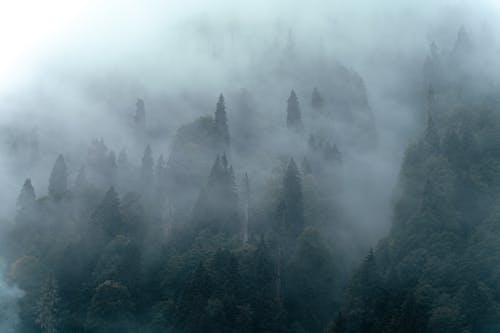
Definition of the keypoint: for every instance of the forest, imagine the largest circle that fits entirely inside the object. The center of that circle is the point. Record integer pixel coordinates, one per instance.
(269, 209)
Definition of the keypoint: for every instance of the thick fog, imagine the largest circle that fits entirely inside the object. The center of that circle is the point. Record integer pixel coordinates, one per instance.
(79, 80)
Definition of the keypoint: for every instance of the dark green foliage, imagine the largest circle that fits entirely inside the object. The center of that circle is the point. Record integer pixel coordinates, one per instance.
(111, 309)
(292, 207)
(293, 116)
(26, 200)
(221, 130)
(106, 218)
(316, 100)
(58, 182)
(217, 206)
(147, 173)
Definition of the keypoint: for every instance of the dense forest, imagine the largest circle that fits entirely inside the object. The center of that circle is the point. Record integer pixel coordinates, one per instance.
(240, 222)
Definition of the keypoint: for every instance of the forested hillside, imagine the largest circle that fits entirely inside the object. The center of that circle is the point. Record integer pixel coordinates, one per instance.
(242, 171)
(437, 271)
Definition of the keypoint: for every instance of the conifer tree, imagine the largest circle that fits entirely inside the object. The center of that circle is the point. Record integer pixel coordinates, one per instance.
(47, 307)
(122, 159)
(221, 130)
(217, 205)
(293, 214)
(58, 182)
(246, 207)
(106, 217)
(81, 182)
(293, 117)
(147, 174)
(140, 115)
(306, 166)
(316, 100)
(431, 135)
(26, 199)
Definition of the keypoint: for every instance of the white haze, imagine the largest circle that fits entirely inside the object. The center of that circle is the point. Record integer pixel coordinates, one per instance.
(79, 79)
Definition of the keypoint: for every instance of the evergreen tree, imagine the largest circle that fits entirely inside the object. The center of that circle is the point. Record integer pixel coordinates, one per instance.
(431, 136)
(221, 130)
(306, 166)
(106, 217)
(47, 307)
(147, 174)
(122, 161)
(217, 205)
(293, 117)
(190, 312)
(293, 207)
(81, 182)
(316, 100)
(246, 207)
(58, 182)
(26, 199)
(140, 115)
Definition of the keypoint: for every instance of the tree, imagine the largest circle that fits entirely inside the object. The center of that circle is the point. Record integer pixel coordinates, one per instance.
(58, 182)
(26, 199)
(316, 100)
(147, 174)
(431, 136)
(81, 182)
(221, 130)
(293, 117)
(47, 308)
(107, 217)
(161, 178)
(217, 205)
(140, 115)
(293, 206)
(111, 309)
(190, 313)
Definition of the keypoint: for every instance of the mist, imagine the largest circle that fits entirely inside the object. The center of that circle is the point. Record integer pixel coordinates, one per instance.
(72, 84)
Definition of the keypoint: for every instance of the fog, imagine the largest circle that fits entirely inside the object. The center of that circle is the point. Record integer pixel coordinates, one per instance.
(79, 80)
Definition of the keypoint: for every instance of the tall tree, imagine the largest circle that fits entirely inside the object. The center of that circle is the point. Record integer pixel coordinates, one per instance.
(27, 198)
(316, 100)
(431, 135)
(47, 307)
(147, 174)
(140, 115)
(106, 217)
(217, 205)
(221, 129)
(81, 182)
(293, 206)
(293, 117)
(58, 182)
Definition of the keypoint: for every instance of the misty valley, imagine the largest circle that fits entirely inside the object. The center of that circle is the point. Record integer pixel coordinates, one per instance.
(263, 180)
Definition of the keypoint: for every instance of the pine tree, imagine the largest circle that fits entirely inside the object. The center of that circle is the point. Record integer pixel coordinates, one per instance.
(58, 183)
(140, 115)
(316, 100)
(217, 205)
(47, 308)
(246, 207)
(293, 214)
(293, 118)
(193, 302)
(111, 168)
(222, 138)
(306, 166)
(147, 174)
(107, 217)
(431, 135)
(81, 182)
(160, 180)
(27, 198)
(122, 159)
